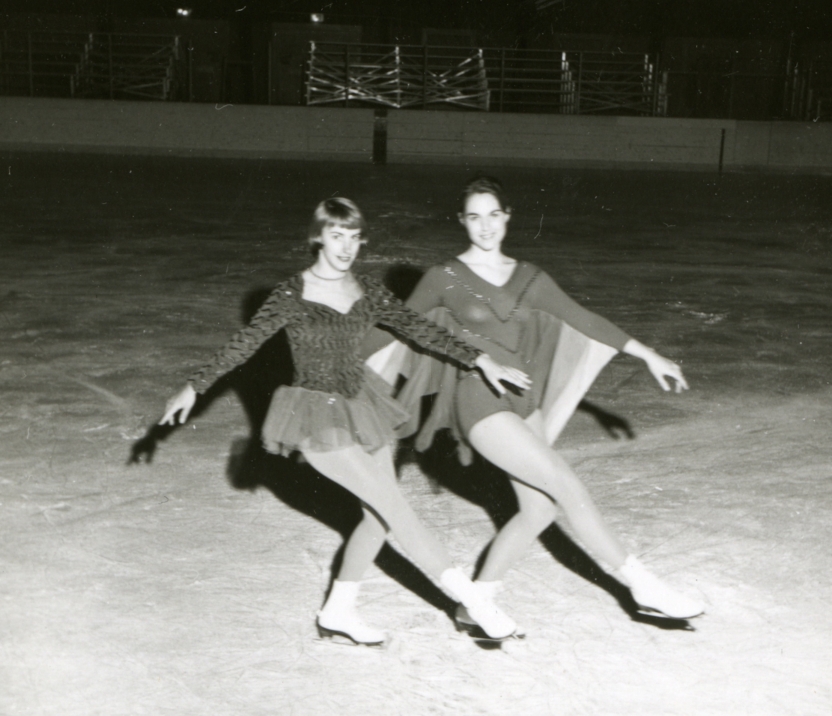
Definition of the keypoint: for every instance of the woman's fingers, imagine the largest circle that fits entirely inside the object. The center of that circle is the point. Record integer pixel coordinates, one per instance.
(169, 418)
(496, 374)
(184, 412)
(675, 372)
(183, 401)
(517, 377)
(493, 379)
(671, 370)
(512, 376)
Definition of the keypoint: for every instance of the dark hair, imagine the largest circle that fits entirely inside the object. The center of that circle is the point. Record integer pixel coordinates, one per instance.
(482, 184)
(337, 211)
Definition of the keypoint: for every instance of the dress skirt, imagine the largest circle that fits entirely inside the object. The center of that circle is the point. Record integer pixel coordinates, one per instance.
(315, 421)
(561, 362)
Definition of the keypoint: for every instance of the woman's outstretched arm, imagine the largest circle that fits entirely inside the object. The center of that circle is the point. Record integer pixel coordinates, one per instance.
(552, 299)
(272, 316)
(661, 367)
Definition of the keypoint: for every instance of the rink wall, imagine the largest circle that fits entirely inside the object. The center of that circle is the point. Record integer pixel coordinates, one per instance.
(608, 142)
(407, 137)
(186, 129)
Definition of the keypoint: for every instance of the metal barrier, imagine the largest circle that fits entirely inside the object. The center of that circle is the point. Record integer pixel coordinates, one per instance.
(497, 79)
(100, 65)
(564, 82)
(128, 66)
(810, 95)
(158, 67)
(395, 76)
(39, 63)
(574, 82)
(804, 94)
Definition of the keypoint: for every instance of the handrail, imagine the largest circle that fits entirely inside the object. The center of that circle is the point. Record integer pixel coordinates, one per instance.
(84, 64)
(488, 78)
(567, 82)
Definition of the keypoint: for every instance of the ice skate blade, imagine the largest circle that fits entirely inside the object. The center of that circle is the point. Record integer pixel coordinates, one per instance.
(653, 612)
(478, 634)
(345, 639)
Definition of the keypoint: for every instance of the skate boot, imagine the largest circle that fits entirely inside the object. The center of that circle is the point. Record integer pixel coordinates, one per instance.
(465, 623)
(480, 609)
(653, 596)
(338, 619)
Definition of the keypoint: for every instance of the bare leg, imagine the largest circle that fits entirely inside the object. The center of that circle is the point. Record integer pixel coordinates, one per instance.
(516, 447)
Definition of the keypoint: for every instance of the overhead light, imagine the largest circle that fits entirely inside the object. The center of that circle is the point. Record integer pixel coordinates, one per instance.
(183, 11)
(316, 17)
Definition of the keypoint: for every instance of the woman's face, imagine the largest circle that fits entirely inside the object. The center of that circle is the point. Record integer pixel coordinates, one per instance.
(339, 246)
(485, 221)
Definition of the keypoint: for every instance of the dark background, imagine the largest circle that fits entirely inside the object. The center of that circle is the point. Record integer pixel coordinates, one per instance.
(496, 21)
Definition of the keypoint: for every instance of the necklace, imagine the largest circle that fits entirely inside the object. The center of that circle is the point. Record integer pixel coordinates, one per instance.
(324, 278)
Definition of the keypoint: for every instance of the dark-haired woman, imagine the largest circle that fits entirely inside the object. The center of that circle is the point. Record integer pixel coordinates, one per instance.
(338, 414)
(522, 318)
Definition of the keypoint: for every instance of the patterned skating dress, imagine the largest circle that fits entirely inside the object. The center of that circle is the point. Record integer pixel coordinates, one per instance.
(334, 400)
(528, 323)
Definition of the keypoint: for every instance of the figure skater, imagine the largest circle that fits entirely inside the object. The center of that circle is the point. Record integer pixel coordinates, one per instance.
(518, 313)
(340, 416)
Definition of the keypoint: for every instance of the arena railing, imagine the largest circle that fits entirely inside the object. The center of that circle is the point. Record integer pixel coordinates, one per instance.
(800, 94)
(102, 65)
(564, 82)
(495, 79)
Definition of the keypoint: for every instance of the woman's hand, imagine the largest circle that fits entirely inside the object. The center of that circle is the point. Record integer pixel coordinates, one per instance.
(659, 366)
(184, 400)
(495, 372)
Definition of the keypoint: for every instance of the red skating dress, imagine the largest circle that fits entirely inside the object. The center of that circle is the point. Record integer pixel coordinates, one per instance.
(334, 401)
(528, 323)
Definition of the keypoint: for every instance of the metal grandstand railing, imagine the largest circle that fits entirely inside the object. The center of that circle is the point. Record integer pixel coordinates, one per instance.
(809, 93)
(128, 66)
(570, 82)
(39, 63)
(97, 65)
(395, 75)
(496, 79)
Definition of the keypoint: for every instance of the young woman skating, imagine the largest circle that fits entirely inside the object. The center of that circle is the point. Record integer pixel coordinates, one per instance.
(339, 415)
(523, 319)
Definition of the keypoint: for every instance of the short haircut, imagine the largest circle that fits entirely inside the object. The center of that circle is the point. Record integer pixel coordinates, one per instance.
(337, 211)
(483, 184)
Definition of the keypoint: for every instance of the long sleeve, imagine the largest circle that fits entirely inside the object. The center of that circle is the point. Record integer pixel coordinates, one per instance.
(275, 313)
(424, 297)
(428, 292)
(411, 324)
(549, 297)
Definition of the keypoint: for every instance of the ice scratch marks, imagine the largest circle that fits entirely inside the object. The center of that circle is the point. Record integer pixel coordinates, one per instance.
(707, 318)
(116, 401)
(130, 429)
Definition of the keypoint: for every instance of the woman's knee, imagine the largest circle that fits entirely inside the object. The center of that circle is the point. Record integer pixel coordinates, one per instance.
(536, 509)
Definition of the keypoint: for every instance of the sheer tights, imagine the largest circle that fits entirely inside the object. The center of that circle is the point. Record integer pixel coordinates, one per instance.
(541, 480)
(371, 477)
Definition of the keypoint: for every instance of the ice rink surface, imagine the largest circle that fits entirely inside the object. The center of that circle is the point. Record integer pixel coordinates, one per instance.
(156, 572)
